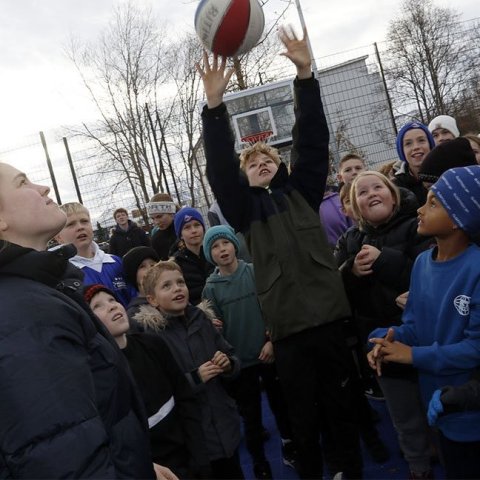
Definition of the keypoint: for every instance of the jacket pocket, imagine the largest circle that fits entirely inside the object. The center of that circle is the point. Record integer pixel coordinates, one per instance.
(325, 260)
(267, 278)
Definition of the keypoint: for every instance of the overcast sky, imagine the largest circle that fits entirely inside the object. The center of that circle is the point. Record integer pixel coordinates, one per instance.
(40, 89)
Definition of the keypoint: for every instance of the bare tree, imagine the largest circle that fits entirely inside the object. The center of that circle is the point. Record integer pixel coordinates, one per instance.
(122, 72)
(428, 57)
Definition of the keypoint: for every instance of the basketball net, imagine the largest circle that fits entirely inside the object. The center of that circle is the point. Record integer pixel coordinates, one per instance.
(257, 137)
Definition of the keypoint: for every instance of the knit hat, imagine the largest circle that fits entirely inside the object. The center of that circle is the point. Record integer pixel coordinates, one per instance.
(132, 260)
(185, 215)
(451, 154)
(156, 208)
(446, 122)
(458, 190)
(213, 234)
(410, 126)
(91, 290)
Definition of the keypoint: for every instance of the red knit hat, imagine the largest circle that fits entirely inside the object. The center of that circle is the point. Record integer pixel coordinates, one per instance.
(91, 290)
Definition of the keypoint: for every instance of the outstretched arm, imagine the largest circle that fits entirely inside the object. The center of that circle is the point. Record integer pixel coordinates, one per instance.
(215, 77)
(297, 51)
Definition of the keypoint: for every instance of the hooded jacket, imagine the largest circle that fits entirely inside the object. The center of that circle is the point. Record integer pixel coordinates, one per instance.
(69, 404)
(298, 284)
(163, 242)
(193, 340)
(373, 296)
(122, 240)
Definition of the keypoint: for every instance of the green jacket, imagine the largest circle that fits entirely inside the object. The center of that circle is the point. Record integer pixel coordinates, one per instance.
(297, 280)
(235, 302)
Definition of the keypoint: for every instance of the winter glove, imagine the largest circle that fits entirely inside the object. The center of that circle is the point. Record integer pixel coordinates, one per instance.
(435, 408)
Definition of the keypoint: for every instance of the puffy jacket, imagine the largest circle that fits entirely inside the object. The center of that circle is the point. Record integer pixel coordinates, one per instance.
(193, 340)
(297, 281)
(373, 296)
(122, 241)
(68, 403)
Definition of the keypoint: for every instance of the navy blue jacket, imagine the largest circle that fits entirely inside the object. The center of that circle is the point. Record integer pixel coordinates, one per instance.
(69, 406)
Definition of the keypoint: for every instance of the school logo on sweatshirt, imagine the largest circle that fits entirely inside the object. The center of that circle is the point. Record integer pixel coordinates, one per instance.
(462, 304)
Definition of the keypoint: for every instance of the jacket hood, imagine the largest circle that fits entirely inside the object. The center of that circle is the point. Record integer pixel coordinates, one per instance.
(47, 267)
(215, 277)
(408, 209)
(151, 318)
(131, 225)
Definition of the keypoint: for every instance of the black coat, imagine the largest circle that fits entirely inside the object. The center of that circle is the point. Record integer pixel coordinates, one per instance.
(177, 440)
(372, 297)
(163, 242)
(122, 241)
(68, 403)
(404, 179)
(195, 270)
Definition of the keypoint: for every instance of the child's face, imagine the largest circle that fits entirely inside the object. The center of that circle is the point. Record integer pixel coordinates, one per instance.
(142, 271)
(162, 220)
(433, 219)
(260, 170)
(347, 208)
(78, 230)
(476, 150)
(415, 147)
(350, 169)
(374, 200)
(170, 293)
(111, 313)
(223, 252)
(192, 234)
(441, 135)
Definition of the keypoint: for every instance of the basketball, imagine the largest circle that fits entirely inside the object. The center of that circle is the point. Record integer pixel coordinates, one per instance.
(229, 27)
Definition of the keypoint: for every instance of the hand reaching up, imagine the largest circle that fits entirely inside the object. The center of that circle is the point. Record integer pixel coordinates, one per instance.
(215, 78)
(297, 51)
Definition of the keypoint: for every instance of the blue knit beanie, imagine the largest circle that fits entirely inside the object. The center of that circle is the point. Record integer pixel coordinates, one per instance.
(458, 190)
(213, 234)
(185, 215)
(410, 126)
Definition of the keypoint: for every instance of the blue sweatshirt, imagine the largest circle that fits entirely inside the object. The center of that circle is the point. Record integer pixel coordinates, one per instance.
(442, 324)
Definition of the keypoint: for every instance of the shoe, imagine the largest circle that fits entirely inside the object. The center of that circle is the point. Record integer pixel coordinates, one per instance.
(289, 454)
(374, 393)
(262, 470)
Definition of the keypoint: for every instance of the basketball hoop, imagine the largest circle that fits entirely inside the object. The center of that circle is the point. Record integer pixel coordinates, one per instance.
(257, 137)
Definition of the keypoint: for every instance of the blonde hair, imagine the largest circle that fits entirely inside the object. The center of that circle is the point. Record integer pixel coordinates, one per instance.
(73, 207)
(353, 194)
(345, 193)
(472, 137)
(259, 147)
(153, 274)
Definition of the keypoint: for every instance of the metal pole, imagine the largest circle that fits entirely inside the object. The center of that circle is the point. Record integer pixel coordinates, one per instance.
(333, 145)
(72, 169)
(389, 101)
(50, 168)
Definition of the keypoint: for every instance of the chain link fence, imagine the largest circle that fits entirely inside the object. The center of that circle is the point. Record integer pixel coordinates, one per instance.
(362, 102)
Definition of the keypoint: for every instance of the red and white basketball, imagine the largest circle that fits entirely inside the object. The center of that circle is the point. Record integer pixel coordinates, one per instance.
(229, 27)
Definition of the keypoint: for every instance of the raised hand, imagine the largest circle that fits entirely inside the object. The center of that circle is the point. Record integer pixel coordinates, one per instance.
(215, 78)
(297, 51)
